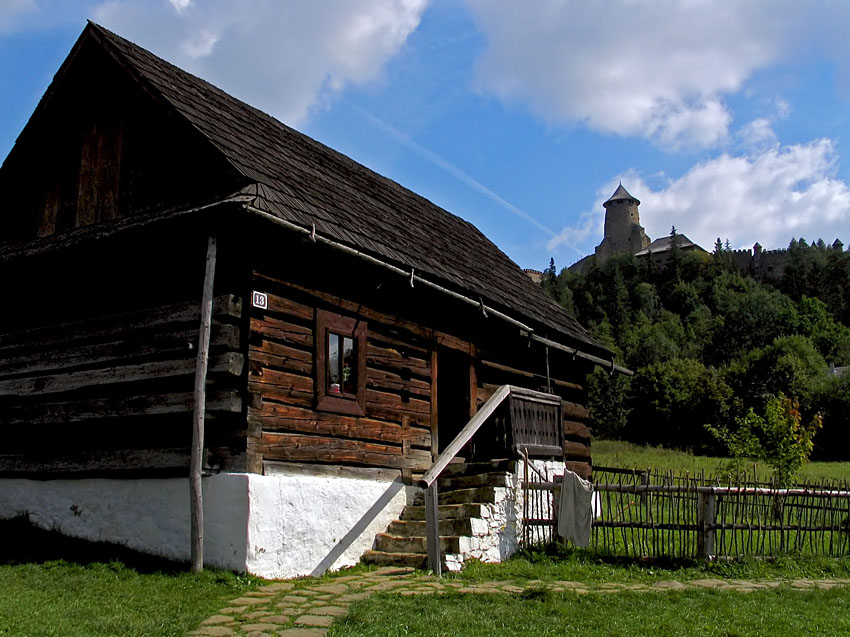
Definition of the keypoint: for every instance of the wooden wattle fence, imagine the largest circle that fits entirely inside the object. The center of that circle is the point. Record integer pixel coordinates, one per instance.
(644, 514)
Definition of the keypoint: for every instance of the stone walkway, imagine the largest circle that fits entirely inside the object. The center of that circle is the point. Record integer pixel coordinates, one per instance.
(305, 608)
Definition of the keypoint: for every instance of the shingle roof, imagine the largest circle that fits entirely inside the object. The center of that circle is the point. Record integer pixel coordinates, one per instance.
(665, 244)
(304, 182)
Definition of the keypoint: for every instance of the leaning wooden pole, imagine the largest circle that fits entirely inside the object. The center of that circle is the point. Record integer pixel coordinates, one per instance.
(196, 462)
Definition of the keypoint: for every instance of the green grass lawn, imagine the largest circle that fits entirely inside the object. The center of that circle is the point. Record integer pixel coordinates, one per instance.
(100, 589)
(782, 612)
(616, 453)
(573, 564)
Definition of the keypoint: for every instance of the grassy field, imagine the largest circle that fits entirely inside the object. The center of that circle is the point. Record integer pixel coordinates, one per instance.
(615, 453)
(779, 612)
(541, 612)
(103, 590)
(99, 589)
(558, 563)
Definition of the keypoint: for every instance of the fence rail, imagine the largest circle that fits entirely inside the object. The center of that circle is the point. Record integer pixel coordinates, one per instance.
(656, 515)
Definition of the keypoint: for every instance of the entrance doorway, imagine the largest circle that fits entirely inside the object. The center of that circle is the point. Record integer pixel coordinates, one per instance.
(452, 394)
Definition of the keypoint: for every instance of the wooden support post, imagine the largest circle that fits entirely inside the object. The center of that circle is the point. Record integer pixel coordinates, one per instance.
(432, 528)
(435, 433)
(706, 519)
(197, 457)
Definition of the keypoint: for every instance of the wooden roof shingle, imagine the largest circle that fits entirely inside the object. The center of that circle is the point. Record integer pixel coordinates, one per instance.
(305, 182)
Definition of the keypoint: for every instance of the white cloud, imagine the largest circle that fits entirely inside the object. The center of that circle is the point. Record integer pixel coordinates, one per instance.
(767, 197)
(651, 68)
(758, 134)
(17, 15)
(283, 57)
(12, 10)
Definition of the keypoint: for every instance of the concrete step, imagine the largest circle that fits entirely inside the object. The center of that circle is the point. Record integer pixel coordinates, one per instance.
(447, 511)
(450, 562)
(382, 558)
(416, 528)
(492, 479)
(399, 544)
(475, 495)
(478, 495)
(473, 468)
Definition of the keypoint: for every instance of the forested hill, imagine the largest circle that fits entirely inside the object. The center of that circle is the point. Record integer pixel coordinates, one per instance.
(708, 342)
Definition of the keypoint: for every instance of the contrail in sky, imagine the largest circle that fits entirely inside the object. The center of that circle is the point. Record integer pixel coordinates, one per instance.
(455, 172)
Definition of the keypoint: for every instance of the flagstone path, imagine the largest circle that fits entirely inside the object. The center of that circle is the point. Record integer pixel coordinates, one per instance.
(306, 608)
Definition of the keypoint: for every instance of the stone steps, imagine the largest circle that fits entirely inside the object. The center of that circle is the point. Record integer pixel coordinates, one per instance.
(383, 558)
(474, 468)
(467, 493)
(416, 544)
(416, 528)
(476, 480)
(477, 495)
(446, 511)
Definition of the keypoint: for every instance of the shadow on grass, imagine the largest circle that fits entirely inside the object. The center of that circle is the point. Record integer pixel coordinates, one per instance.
(559, 552)
(23, 543)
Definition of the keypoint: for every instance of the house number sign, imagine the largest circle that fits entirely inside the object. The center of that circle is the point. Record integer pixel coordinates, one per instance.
(260, 300)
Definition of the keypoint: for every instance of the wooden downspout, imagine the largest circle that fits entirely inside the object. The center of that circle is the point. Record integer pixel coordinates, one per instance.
(197, 452)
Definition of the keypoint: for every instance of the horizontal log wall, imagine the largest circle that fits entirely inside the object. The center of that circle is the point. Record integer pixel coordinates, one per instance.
(394, 432)
(113, 394)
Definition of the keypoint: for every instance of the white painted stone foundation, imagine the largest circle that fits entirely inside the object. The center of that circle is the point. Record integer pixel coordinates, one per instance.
(282, 525)
(498, 534)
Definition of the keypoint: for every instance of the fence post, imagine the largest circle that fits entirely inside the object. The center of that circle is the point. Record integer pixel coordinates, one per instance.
(706, 519)
(644, 481)
(556, 506)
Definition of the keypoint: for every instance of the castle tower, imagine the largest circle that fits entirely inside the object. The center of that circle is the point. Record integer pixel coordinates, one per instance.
(623, 232)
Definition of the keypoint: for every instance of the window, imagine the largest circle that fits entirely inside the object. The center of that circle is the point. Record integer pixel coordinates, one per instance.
(340, 364)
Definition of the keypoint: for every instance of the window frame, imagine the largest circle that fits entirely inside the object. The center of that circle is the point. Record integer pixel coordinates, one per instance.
(349, 327)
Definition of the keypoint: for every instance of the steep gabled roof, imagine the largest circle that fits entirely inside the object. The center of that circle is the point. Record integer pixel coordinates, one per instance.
(301, 181)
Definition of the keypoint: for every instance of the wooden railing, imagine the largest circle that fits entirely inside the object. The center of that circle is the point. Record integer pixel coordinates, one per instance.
(429, 480)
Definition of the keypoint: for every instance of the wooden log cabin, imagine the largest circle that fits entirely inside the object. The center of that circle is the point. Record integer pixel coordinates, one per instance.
(356, 328)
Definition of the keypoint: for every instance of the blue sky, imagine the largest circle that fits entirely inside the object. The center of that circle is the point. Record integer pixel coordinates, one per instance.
(726, 119)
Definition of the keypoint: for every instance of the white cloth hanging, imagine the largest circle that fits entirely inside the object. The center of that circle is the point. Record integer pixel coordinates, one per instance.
(575, 509)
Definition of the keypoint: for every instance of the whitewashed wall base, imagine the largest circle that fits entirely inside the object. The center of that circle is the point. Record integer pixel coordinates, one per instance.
(273, 526)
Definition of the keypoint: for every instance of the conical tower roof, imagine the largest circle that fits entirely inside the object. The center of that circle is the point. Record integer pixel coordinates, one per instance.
(621, 193)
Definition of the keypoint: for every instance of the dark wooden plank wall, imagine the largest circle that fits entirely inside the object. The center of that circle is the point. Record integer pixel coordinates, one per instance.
(102, 149)
(113, 394)
(395, 431)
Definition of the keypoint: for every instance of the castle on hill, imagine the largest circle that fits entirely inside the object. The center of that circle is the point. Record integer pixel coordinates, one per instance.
(625, 235)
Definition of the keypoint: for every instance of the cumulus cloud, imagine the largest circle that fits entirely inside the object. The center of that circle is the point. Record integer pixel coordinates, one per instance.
(283, 57)
(18, 15)
(758, 134)
(766, 197)
(658, 69)
(12, 10)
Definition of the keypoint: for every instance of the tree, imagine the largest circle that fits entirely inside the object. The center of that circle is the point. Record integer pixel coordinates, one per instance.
(669, 402)
(779, 437)
(606, 399)
(790, 365)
